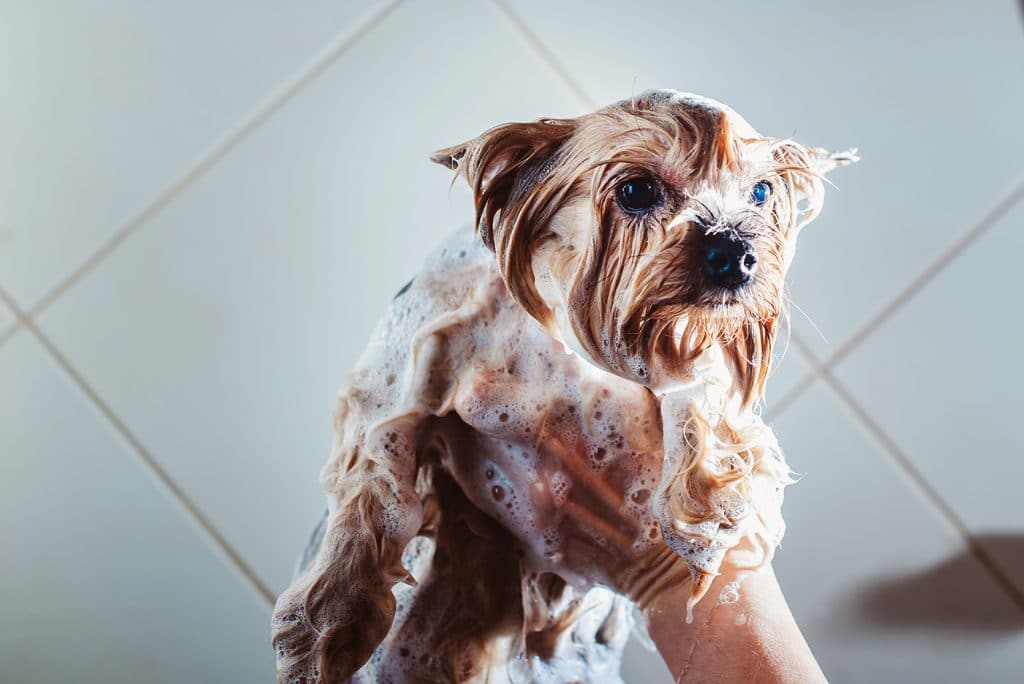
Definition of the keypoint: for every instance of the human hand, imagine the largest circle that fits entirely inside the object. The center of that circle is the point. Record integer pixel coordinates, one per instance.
(597, 527)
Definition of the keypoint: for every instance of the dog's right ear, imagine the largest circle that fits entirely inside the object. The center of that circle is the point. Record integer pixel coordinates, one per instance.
(514, 173)
(504, 164)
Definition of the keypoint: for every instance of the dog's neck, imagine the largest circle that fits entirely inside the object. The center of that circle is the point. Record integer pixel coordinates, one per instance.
(708, 380)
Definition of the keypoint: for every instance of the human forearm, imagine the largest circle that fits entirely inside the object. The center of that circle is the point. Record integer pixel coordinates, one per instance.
(743, 631)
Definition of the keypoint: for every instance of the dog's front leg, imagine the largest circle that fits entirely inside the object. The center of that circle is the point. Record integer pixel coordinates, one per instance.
(721, 482)
(328, 623)
(698, 492)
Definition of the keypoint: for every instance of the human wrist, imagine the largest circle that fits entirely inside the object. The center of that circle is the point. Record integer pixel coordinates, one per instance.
(742, 630)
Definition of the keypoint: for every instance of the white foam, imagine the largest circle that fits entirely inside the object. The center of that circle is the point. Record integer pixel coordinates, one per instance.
(730, 593)
(548, 423)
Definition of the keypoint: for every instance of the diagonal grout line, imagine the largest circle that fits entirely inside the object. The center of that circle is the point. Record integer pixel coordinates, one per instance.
(151, 464)
(974, 233)
(922, 279)
(15, 309)
(9, 332)
(776, 408)
(823, 369)
(571, 84)
(928, 274)
(803, 349)
(148, 461)
(988, 563)
(820, 370)
(330, 54)
(903, 464)
(577, 91)
(306, 74)
(157, 470)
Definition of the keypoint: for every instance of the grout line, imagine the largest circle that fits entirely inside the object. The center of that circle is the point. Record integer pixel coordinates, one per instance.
(793, 341)
(571, 84)
(149, 463)
(577, 91)
(10, 332)
(263, 111)
(356, 31)
(776, 408)
(817, 367)
(821, 369)
(804, 349)
(902, 463)
(15, 310)
(987, 220)
(918, 481)
(20, 316)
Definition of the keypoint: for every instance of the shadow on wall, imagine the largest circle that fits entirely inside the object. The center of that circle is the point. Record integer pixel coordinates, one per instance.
(946, 596)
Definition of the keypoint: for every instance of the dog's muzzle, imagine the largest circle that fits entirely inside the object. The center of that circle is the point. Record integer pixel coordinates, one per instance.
(729, 260)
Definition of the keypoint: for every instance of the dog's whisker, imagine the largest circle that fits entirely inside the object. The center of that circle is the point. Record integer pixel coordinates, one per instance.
(809, 320)
(787, 326)
(527, 403)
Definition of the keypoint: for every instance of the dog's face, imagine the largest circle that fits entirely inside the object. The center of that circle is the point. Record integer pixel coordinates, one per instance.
(648, 232)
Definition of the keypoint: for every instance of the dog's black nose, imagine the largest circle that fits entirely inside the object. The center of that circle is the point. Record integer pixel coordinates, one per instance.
(729, 261)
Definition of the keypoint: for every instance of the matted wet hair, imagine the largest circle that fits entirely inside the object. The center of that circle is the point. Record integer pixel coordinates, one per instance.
(627, 294)
(631, 298)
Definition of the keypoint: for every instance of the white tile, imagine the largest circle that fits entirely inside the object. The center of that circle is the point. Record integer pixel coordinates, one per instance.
(104, 579)
(221, 332)
(7, 318)
(791, 368)
(883, 590)
(106, 104)
(943, 379)
(641, 665)
(923, 88)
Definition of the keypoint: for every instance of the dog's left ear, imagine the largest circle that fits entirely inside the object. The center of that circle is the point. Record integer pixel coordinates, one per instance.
(506, 167)
(803, 169)
(823, 161)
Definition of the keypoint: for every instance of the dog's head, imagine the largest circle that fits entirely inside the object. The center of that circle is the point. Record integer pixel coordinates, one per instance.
(648, 232)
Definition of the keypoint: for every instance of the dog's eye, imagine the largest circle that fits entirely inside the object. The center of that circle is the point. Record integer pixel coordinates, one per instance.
(638, 195)
(760, 192)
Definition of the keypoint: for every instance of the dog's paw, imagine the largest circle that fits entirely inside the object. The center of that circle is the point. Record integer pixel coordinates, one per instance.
(324, 632)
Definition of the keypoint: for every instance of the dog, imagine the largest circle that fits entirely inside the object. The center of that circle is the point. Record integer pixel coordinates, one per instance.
(559, 416)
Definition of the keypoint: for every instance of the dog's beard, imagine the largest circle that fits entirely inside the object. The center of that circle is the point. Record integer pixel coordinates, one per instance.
(639, 302)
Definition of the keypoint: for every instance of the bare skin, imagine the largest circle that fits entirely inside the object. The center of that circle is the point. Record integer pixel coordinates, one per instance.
(747, 635)
(564, 401)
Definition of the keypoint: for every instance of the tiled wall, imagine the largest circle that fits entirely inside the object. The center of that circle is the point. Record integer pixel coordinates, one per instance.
(205, 206)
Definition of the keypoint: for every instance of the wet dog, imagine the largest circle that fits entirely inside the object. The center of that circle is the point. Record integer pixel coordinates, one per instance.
(559, 415)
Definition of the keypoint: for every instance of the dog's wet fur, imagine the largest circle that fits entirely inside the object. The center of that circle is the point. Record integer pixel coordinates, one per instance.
(559, 414)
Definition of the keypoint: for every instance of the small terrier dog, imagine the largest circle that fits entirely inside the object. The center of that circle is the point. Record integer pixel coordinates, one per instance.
(559, 415)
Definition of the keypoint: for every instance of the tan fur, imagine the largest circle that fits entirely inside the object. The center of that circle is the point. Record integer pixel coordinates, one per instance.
(622, 288)
(666, 371)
